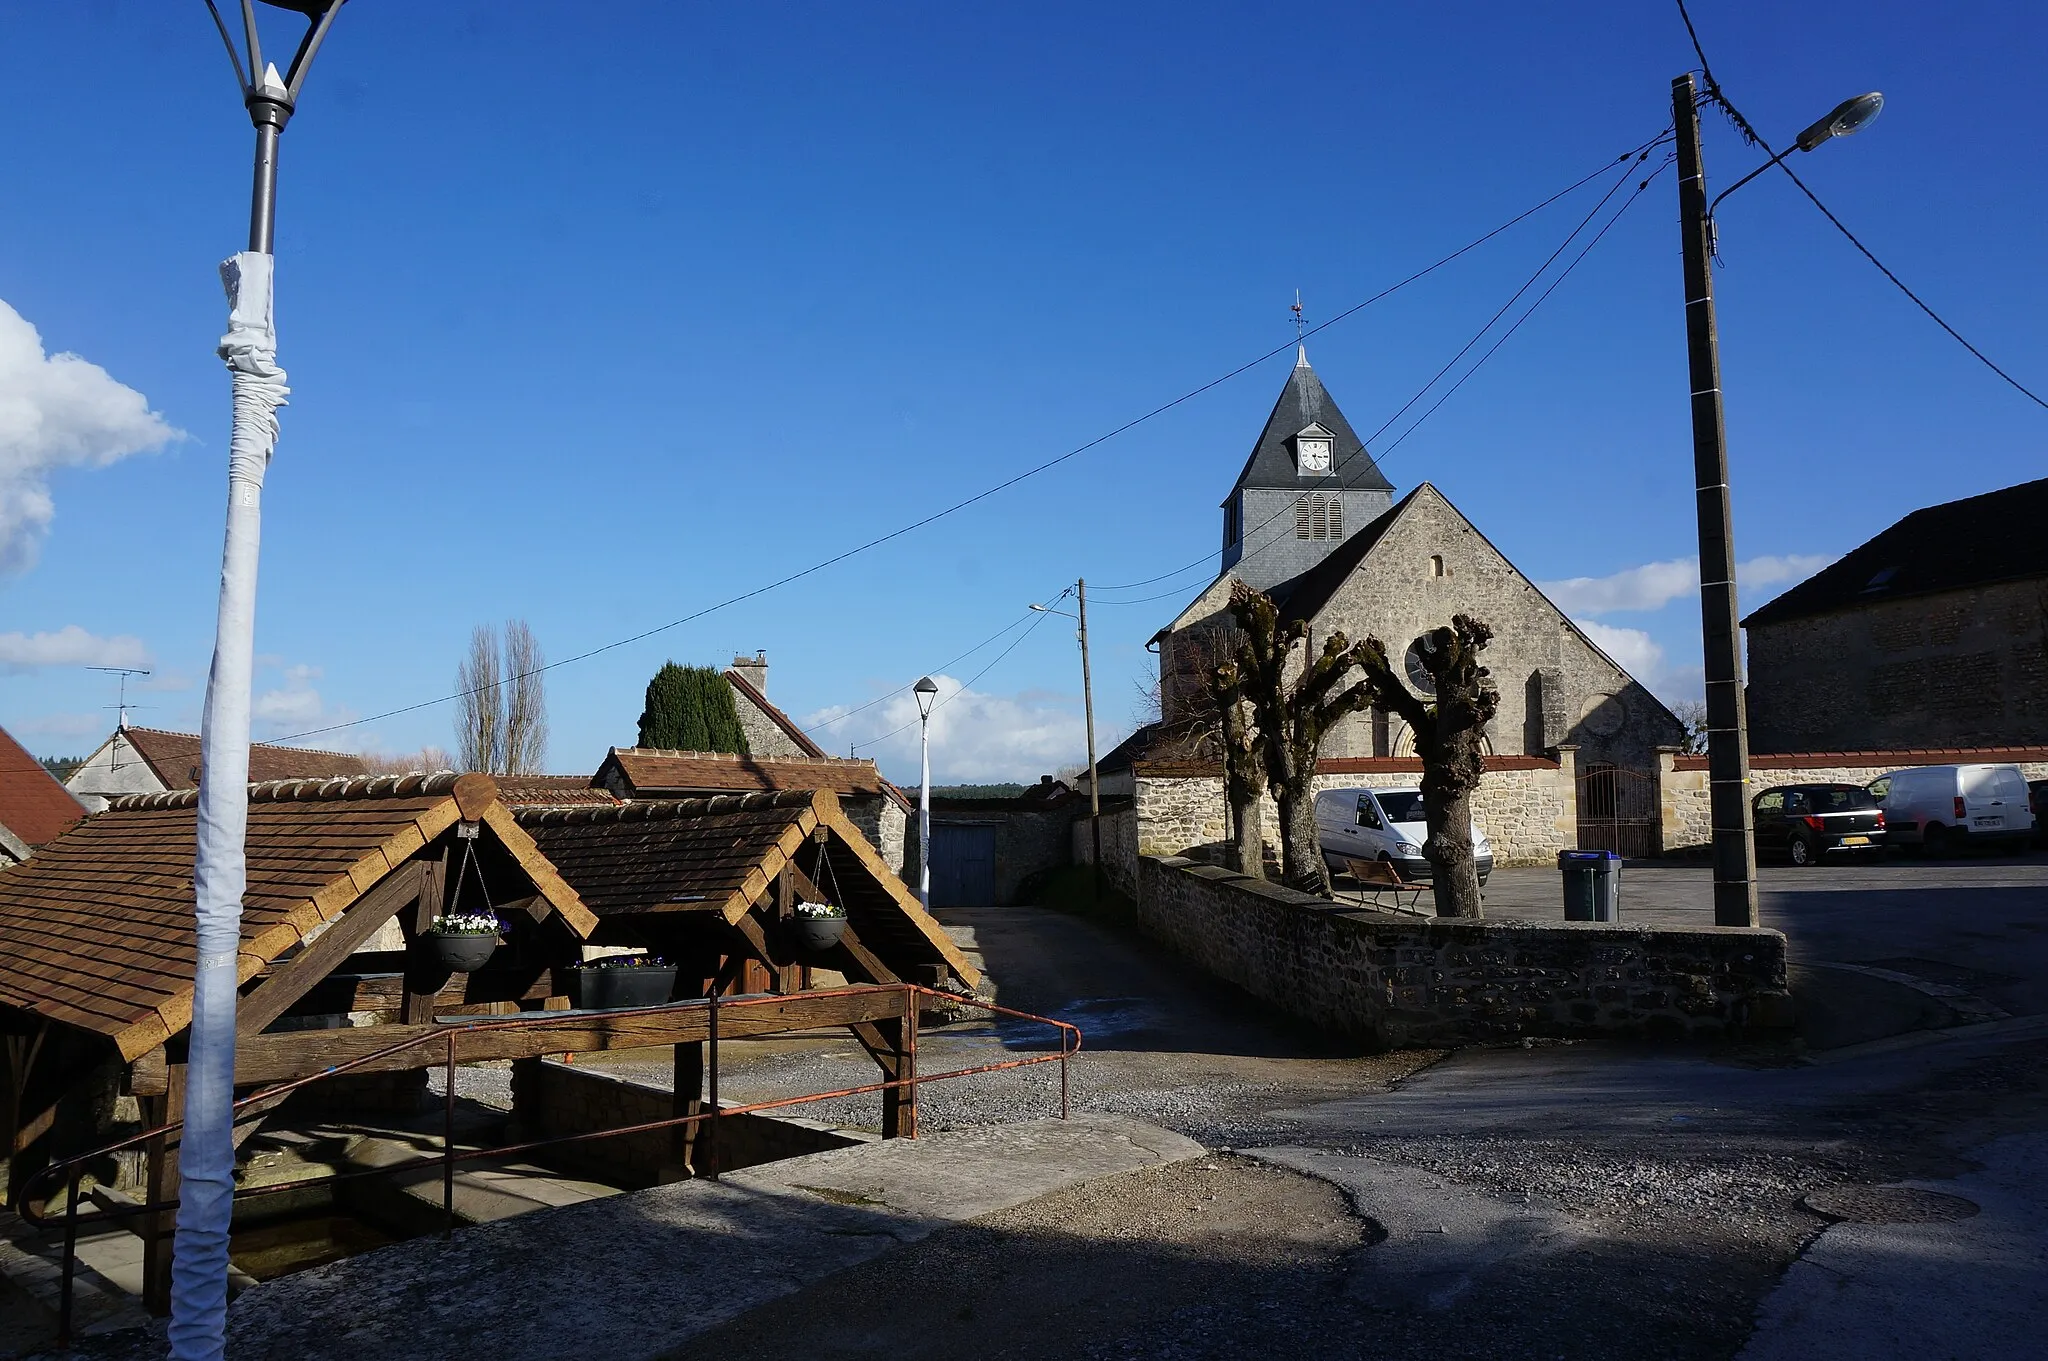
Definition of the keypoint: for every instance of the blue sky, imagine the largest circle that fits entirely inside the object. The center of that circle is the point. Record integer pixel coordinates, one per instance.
(599, 315)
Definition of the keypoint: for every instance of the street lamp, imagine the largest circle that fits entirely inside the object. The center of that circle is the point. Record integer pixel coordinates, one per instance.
(199, 1260)
(1721, 631)
(1088, 705)
(927, 693)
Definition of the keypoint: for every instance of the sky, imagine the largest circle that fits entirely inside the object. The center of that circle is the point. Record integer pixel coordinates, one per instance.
(603, 316)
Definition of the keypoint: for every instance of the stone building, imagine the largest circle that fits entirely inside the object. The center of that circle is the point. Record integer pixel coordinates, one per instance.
(770, 732)
(1396, 575)
(1933, 634)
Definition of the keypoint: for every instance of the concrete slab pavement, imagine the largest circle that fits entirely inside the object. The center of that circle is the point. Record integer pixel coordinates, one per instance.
(637, 1275)
(1974, 1287)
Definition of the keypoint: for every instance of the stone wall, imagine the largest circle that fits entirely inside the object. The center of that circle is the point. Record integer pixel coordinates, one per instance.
(1685, 801)
(1388, 980)
(886, 825)
(1955, 669)
(1119, 844)
(552, 1098)
(1527, 806)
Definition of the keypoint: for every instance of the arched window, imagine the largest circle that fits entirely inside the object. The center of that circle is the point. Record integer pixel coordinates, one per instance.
(1301, 515)
(1318, 517)
(1336, 517)
(1436, 564)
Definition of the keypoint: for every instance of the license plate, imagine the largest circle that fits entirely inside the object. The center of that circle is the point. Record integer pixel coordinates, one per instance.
(1987, 822)
(1855, 841)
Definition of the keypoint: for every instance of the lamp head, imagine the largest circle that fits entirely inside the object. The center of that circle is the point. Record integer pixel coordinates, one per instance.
(926, 691)
(1849, 116)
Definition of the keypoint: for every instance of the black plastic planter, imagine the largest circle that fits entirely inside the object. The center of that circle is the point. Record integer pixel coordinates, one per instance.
(816, 935)
(463, 954)
(614, 989)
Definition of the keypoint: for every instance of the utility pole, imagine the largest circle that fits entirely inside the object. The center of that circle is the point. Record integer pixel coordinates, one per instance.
(1720, 628)
(1088, 703)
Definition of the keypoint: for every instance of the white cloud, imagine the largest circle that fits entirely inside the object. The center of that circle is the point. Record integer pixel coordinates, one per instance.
(57, 411)
(1654, 585)
(68, 646)
(296, 705)
(1636, 651)
(976, 737)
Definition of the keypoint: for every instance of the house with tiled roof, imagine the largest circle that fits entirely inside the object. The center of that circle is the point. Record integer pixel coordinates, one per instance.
(34, 807)
(770, 732)
(871, 803)
(151, 761)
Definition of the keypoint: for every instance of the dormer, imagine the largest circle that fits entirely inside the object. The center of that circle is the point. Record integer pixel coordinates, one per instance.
(1313, 445)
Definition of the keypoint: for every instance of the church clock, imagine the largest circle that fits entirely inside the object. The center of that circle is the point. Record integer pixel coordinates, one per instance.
(1315, 455)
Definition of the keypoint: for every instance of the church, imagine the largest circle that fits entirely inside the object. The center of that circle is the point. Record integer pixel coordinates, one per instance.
(1313, 522)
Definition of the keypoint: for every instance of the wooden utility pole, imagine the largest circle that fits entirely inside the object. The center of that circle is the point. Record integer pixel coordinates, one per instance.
(1088, 703)
(1721, 630)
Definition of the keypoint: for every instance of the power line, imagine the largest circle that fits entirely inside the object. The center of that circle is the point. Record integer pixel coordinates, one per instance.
(1379, 461)
(879, 699)
(1749, 132)
(979, 496)
(1038, 617)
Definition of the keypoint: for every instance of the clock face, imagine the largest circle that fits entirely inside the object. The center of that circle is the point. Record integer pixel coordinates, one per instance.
(1315, 455)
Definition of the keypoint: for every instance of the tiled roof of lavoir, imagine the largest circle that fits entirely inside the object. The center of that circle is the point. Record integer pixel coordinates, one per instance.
(97, 931)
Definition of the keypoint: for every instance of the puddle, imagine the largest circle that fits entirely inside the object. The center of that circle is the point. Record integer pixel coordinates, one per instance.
(278, 1247)
(1100, 1018)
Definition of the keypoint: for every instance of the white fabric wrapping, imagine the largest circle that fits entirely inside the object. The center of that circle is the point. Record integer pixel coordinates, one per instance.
(199, 1267)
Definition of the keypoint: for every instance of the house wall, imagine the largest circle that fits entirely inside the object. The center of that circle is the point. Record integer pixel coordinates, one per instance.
(884, 823)
(1957, 669)
(765, 736)
(550, 1098)
(1685, 802)
(115, 769)
(1388, 981)
(1119, 844)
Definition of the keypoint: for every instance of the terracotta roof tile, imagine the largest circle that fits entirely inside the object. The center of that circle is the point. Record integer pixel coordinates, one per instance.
(174, 756)
(33, 805)
(651, 771)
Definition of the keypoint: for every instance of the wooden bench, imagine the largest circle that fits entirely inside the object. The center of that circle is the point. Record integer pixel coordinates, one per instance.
(1377, 877)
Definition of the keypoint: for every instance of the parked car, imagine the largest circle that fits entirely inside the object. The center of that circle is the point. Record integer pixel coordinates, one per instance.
(2037, 804)
(1943, 809)
(1384, 824)
(1808, 823)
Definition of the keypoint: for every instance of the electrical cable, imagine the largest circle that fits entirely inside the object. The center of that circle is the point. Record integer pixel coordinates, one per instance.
(1376, 462)
(1749, 132)
(826, 723)
(986, 492)
(1040, 617)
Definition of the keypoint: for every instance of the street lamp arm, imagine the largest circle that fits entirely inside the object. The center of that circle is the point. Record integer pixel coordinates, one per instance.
(1747, 178)
(1047, 609)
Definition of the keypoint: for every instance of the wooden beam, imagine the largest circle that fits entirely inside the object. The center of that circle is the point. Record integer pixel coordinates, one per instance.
(272, 998)
(161, 1182)
(150, 1075)
(433, 892)
(262, 1059)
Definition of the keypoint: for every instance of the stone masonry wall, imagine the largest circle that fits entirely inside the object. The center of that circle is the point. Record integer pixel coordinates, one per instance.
(551, 1098)
(1684, 798)
(1119, 845)
(883, 822)
(1527, 806)
(1389, 980)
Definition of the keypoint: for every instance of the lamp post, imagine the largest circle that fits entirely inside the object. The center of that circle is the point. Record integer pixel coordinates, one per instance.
(1088, 705)
(927, 693)
(199, 1260)
(1721, 630)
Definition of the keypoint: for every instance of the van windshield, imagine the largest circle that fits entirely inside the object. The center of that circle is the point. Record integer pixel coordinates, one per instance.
(1401, 805)
(1842, 800)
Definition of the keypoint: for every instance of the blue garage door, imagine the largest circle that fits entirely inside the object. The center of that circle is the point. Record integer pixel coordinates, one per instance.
(963, 866)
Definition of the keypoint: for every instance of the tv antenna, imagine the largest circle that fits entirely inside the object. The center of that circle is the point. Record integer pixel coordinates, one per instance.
(121, 705)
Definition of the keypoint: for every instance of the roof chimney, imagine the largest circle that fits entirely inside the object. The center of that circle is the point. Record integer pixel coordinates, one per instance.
(754, 669)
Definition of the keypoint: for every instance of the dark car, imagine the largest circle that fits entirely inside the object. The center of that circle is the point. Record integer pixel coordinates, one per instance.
(2037, 804)
(1807, 823)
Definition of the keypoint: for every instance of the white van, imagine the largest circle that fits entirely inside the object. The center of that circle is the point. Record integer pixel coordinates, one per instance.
(1944, 808)
(1384, 824)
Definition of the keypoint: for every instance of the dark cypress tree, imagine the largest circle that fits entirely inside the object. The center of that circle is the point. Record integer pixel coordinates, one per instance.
(690, 708)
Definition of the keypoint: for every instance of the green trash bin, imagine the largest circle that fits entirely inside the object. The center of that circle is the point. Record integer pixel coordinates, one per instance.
(1592, 885)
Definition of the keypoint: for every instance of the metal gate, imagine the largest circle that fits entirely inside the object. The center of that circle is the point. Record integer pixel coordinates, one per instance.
(963, 866)
(1618, 811)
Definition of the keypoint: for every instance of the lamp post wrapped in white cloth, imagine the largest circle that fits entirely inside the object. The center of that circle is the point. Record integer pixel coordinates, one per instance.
(199, 1264)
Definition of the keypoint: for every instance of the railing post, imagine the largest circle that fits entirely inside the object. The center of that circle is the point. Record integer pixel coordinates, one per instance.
(70, 1260)
(448, 1145)
(906, 1064)
(1064, 1051)
(711, 1154)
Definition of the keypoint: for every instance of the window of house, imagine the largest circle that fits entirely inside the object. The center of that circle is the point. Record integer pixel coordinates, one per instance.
(1436, 564)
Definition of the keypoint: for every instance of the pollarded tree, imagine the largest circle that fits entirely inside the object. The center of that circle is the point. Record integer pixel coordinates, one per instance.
(1448, 735)
(1292, 717)
(1244, 767)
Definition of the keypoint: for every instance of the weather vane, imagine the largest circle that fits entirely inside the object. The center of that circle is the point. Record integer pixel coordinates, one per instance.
(1300, 325)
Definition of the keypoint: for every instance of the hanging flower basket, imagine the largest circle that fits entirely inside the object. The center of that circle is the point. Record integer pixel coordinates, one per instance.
(621, 981)
(463, 943)
(817, 927)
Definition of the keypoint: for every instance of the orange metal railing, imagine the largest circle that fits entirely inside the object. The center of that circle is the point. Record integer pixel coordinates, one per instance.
(71, 1170)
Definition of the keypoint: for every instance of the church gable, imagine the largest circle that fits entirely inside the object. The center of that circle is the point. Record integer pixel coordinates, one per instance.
(1427, 562)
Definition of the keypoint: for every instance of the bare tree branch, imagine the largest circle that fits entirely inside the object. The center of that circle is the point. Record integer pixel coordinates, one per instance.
(526, 702)
(480, 721)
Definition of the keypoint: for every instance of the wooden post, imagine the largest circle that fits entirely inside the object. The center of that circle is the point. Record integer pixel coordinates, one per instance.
(686, 1099)
(161, 1184)
(788, 974)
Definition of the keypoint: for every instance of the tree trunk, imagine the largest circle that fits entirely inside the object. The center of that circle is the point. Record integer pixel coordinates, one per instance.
(1301, 851)
(1447, 800)
(1247, 840)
